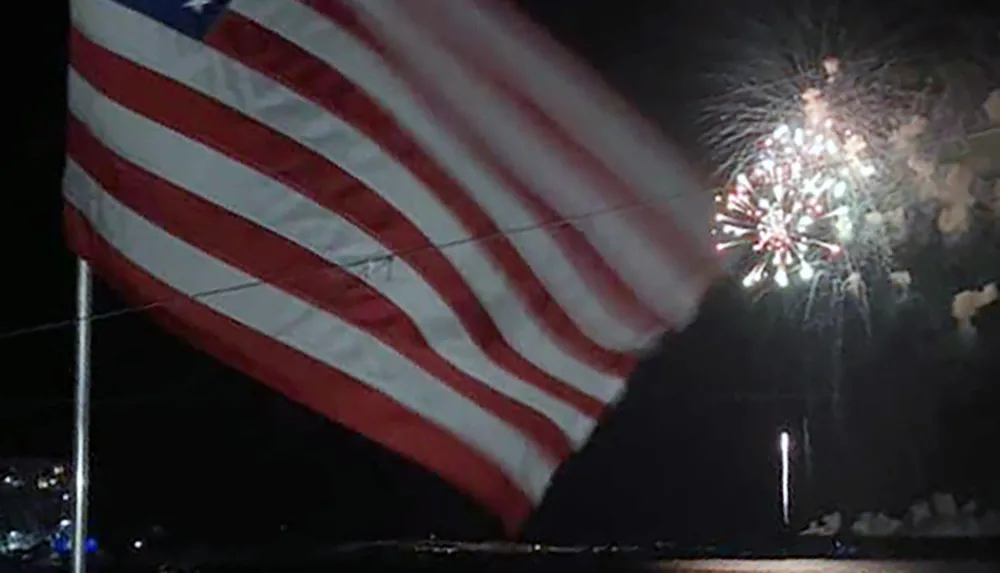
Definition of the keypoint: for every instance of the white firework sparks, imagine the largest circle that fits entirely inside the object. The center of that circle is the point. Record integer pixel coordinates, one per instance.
(828, 182)
(795, 205)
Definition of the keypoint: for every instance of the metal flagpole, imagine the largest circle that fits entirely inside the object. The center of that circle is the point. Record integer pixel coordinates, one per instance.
(81, 450)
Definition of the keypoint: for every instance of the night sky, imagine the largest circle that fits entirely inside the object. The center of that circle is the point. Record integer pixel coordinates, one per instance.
(898, 407)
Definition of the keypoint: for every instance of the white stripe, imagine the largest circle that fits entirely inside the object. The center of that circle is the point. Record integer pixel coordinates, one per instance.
(308, 330)
(327, 42)
(174, 55)
(216, 178)
(539, 162)
(630, 148)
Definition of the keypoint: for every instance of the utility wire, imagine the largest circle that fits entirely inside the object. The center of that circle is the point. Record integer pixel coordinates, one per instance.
(381, 258)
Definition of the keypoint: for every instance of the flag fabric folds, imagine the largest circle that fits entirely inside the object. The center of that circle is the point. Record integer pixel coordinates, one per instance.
(420, 219)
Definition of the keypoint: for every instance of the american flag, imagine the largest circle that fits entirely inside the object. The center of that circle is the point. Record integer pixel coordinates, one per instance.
(419, 218)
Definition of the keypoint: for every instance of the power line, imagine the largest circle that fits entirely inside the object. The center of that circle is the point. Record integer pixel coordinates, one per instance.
(370, 261)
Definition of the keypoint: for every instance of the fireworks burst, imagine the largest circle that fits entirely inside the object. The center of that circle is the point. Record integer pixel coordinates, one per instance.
(781, 208)
(840, 172)
(795, 206)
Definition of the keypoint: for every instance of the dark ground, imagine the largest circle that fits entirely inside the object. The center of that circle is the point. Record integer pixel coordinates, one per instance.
(796, 555)
(694, 566)
(824, 566)
(793, 555)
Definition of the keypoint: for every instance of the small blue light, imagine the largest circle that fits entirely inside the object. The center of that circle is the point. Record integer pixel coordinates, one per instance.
(63, 544)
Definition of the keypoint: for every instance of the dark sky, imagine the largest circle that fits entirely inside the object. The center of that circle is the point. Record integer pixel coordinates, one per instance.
(180, 440)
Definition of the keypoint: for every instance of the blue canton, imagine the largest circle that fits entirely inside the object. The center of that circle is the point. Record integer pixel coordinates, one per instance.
(193, 18)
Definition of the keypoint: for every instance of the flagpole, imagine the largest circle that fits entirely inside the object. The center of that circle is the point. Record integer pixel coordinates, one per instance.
(81, 449)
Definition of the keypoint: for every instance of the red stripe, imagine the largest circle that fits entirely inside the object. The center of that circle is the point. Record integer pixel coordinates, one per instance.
(282, 159)
(672, 241)
(262, 254)
(274, 56)
(327, 391)
(600, 277)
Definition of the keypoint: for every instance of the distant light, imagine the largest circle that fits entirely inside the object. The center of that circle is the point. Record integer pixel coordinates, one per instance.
(63, 545)
(137, 544)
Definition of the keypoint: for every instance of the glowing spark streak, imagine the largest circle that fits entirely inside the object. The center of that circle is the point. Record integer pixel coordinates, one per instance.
(785, 445)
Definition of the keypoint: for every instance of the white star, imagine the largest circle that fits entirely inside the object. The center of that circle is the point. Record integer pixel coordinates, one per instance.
(196, 5)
